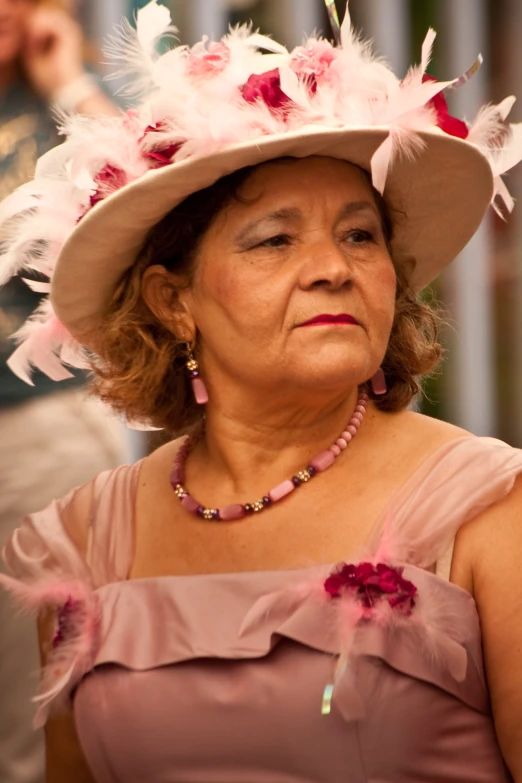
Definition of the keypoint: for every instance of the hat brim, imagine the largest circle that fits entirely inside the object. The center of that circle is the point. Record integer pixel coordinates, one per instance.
(437, 200)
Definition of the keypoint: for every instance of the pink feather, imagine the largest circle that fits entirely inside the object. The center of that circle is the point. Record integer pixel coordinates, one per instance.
(71, 657)
(41, 339)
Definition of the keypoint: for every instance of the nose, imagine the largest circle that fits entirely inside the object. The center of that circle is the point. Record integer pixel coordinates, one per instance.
(326, 265)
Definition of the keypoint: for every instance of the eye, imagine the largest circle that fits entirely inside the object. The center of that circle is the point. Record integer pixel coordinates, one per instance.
(359, 236)
(278, 240)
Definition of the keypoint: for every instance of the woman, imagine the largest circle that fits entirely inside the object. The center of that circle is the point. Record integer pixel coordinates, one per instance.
(227, 245)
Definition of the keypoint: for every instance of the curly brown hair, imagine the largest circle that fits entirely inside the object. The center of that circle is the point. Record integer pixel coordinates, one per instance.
(139, 368)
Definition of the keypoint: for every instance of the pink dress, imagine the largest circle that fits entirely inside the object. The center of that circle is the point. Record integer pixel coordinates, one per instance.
(263, 677)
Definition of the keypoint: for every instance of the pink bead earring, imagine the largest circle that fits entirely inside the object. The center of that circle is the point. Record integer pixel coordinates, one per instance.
(198, 384)
(378, 382)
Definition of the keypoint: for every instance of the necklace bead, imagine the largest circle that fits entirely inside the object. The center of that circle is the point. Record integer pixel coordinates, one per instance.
(235, 511)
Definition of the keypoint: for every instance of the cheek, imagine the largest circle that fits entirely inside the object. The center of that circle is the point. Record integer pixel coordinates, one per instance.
(381, 287)
(239, 296)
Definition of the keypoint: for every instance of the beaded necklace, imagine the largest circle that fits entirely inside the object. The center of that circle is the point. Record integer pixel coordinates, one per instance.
(317, 464)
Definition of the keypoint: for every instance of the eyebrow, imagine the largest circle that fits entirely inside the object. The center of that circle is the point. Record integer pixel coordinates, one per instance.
(294, 213)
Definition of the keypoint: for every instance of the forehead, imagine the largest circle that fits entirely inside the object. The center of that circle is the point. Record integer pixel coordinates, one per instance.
(305, 180)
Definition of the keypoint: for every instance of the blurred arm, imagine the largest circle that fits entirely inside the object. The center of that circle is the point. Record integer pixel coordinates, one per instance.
(53, 62)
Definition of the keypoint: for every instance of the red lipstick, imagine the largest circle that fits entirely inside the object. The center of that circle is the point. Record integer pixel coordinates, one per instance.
(326, 318)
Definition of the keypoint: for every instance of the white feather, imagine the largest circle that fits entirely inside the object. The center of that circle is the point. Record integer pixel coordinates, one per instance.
(511, 152)
(135, 49)
(427, 50)
(489, 124)
(152, 21)
(37, 286)
(40, 340)
(502, 193)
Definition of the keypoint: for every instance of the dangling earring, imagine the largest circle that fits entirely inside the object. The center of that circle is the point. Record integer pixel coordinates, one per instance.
(198, 384)
(378, 382)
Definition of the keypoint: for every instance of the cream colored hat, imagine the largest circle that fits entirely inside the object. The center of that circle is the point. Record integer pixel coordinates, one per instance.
(212, 109)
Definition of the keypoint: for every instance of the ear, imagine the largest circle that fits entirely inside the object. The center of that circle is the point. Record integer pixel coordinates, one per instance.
(161, 291)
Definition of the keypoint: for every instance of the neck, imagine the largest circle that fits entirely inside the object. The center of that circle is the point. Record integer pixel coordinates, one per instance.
(250, 442)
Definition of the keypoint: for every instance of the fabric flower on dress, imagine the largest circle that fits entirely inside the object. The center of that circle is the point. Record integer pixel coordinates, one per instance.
(371, 584)
(65, 621)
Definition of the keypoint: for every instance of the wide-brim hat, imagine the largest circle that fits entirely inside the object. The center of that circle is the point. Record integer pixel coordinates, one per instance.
(216, 108)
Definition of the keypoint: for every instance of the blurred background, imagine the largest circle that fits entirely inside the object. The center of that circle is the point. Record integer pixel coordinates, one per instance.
(481, 379)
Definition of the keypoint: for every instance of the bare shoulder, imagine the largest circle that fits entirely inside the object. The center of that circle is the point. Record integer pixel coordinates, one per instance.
(159, 462)
(420, 426)
(412, 435)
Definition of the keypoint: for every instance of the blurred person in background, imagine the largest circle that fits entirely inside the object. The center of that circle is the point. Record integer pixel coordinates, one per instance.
(50, 439)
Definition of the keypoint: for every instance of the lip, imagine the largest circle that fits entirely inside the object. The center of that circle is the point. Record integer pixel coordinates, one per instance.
(341, 319)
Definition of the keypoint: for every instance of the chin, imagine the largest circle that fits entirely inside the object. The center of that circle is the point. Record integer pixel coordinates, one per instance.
(336, 380)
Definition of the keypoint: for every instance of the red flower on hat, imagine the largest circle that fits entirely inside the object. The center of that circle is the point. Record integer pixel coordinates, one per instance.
(108, 180)
(267, 88)
(162, 156)
(372, 583)
(445, 121)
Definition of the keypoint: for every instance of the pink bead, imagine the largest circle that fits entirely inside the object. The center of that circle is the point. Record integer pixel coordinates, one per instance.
(335, 450)
(177, 475)
(200, 391)
(360, 409)
(190, 504)
(281, 491)
(234, 511)
(355, 423)
(358, 415)
(322, 461)
(346, 435)
(352, 430)
(378, 382)
(341, 443)
(364, 397)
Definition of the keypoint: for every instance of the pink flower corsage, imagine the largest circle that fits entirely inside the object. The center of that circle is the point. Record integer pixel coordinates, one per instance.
(370, 584)
(203, 61)
(65, 625)
(312, 62)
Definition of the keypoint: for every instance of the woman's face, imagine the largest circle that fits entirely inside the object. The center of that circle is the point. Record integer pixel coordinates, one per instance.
(13, 19)
(304, 241)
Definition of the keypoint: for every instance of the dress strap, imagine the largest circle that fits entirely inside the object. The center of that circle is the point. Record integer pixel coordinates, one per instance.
(453, 485)
(110, 544)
